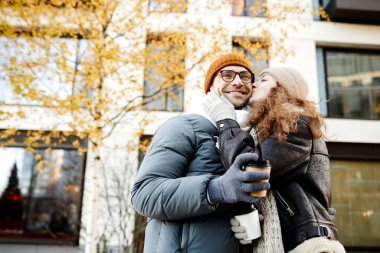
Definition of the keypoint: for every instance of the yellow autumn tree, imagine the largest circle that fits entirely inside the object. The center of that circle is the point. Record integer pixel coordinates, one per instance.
(83, 67)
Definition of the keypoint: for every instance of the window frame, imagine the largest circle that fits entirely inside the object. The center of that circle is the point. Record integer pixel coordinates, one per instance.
(164, 94)
(323, 83)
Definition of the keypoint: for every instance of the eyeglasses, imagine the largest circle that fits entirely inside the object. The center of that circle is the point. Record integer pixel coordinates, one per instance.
(229, 75)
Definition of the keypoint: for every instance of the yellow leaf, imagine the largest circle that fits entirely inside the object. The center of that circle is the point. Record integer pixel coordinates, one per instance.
(76, 143)
(11, 141)
(40, 165)
(29, 149)
(21, 114)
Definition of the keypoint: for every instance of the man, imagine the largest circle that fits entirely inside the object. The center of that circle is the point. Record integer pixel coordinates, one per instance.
(182, 186)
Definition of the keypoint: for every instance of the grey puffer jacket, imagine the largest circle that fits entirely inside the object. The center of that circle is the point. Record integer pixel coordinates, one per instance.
(170, 190)
(300, 179)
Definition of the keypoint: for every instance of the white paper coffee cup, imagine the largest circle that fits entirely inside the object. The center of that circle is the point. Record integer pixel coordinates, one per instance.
(251, 223)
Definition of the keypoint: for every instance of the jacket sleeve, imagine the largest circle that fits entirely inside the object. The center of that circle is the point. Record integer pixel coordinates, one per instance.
(162, 189)
(290, 159)
(233, 141)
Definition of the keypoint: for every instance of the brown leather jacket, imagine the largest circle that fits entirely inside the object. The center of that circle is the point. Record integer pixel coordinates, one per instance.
(300, 179)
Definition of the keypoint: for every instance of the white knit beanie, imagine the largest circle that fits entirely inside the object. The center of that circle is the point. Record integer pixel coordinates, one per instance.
(292, 80)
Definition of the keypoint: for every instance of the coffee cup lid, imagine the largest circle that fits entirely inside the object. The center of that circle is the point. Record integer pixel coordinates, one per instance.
(245, 208)
(260, 162)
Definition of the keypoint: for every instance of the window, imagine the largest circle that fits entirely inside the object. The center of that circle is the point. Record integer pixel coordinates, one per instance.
(179, 6)
(252, 8)
(350, 81)
(140, 221)
(44, 60)
(355, 194)
(165, 72)
(41, 202)
(48, 63)
(320, 14)
(256, 51)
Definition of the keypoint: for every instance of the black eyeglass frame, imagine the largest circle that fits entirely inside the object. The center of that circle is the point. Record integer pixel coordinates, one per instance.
(238, 73)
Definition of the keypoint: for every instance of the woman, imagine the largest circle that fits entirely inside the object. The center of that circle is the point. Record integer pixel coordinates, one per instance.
(287, 129)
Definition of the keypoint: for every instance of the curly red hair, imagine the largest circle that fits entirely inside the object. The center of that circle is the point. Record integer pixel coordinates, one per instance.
(278, 114)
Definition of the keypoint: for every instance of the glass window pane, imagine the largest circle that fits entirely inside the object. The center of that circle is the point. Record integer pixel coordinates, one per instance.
(175, 98)
(318, 14)
(324, 3)
(157, 101)
(353, 84)
(258, 54)
(321, 82)
(40, 204)
(356, 194)
(238, 7)
(152, 90)
(49, 62)
(252, 8)
(164, 73)
(316, 4)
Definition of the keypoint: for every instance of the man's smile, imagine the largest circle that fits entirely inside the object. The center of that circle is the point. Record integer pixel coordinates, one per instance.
(237, 92)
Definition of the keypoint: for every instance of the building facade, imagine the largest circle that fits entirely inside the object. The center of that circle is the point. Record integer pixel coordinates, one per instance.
(338, 51)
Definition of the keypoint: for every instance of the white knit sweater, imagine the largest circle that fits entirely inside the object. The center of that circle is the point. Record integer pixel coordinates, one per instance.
(271, 239)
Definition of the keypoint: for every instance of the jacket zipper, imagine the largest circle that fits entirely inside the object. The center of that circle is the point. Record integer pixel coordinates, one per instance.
(219, 152)
(284, 203)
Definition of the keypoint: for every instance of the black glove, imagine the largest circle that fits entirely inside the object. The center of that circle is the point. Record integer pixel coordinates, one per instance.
(236, 184)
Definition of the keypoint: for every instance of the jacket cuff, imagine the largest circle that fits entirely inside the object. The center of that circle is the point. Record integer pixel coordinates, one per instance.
(226, 124)
(214, 194)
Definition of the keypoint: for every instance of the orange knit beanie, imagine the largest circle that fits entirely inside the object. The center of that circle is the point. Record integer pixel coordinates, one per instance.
(221, 62)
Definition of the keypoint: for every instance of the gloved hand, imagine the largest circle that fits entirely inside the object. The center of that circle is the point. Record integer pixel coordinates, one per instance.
(236, 184)
(239, 230)
(217, 107)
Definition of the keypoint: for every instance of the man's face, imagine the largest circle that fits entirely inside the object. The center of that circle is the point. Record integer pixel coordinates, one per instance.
(262, 88)
(236, 91)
